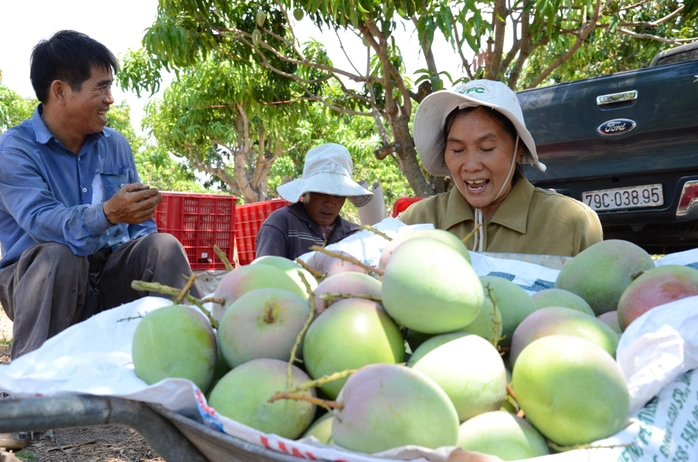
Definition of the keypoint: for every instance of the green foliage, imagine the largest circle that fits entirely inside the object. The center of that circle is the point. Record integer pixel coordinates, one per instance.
(139, 72)
(254, 63)
(188, 32)
(351, 14)
(155, 166)
(357, 134)
(13, 108)
(216, 111)
(607, 50)
(690, 9)
(218, 115)
(119, 118)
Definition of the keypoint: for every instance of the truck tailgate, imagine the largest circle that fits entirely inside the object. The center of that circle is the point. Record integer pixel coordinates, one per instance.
(652, 129)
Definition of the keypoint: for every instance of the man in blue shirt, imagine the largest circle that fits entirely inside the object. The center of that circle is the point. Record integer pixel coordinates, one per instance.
(76, 224)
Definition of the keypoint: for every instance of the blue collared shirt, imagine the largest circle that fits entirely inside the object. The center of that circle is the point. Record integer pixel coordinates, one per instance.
(48, 194)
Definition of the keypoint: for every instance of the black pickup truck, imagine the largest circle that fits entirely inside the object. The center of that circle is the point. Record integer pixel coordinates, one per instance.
(626, 144)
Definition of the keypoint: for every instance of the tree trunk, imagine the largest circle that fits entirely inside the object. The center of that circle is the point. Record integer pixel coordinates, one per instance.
(407, 155)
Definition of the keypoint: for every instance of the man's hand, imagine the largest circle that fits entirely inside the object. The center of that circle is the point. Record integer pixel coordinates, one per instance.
(132, 204)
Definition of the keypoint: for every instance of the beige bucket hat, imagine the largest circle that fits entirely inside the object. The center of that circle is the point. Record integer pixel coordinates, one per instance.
(432, 112)
(328, 169)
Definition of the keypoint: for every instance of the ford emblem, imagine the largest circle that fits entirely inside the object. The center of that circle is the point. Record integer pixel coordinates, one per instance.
(616, 127)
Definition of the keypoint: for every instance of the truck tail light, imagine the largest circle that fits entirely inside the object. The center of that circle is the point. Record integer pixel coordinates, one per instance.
(689, 198)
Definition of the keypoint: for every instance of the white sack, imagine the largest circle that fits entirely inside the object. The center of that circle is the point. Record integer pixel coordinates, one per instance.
(657, 354)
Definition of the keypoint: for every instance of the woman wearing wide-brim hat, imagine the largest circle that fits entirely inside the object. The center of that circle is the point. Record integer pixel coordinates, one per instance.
(316, 199)
(475, 133)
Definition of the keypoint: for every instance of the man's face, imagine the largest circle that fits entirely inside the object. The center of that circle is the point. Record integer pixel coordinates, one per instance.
(86, 109)
(323, 208)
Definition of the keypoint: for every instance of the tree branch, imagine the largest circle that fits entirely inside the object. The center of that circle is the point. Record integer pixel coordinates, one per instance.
(659, 21)
(654, 37)
(464, 61)
(392, 78)
(499, 25)
(242, 36)
(524, 46)
(585, 29)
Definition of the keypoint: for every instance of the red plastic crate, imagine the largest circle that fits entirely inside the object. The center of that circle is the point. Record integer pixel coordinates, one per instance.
(248, 220)
(402, 204)
(199, 221)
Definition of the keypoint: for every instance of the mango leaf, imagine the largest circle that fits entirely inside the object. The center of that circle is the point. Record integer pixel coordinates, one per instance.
(690, 10)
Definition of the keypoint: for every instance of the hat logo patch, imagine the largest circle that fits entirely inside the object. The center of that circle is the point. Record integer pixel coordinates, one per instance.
(479, 89)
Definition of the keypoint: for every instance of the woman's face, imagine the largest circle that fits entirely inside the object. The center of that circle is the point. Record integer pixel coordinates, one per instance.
(323, 208)
(478, 154)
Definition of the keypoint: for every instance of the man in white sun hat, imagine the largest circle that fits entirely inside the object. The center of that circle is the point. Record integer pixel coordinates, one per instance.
(475, 133)
(316, 199)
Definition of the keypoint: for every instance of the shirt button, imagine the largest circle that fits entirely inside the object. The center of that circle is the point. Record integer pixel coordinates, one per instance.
(122, 185)
(84, 189)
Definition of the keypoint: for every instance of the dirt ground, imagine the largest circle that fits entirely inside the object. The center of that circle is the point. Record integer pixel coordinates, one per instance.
(102, 443)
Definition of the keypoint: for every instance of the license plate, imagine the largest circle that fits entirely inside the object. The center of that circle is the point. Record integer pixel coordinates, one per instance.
(649, 195)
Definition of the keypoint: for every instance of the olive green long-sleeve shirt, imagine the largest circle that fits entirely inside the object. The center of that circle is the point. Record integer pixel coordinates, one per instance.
(530, 220)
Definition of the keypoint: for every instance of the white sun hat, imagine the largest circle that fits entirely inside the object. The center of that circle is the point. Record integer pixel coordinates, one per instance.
(434, 109)
(327, 169)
